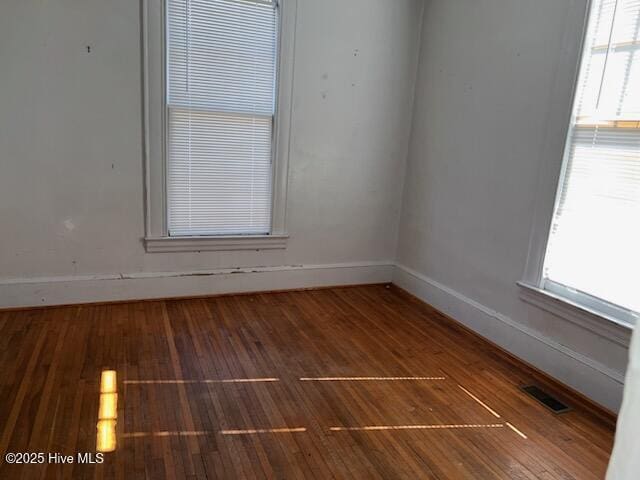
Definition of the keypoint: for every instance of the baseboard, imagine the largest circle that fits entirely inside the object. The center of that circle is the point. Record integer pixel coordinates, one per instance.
(48, 291)
(594, 380)
(588, 377)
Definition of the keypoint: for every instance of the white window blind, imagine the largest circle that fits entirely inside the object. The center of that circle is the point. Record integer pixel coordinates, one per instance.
(221, 58)
(594, 245)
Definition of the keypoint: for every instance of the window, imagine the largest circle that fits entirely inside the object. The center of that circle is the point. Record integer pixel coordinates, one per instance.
(218, 85)
(220, 108)
(593, 250)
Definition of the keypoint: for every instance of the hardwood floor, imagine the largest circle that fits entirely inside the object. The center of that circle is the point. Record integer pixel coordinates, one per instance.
(362, 382)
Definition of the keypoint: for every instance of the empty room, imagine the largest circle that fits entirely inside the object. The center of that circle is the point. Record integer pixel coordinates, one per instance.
(320, 239)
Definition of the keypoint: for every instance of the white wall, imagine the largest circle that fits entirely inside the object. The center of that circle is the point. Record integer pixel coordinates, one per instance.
(490, 78)
(71, 177)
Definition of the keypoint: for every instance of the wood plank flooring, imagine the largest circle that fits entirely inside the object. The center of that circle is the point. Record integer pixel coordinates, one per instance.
(362, 382)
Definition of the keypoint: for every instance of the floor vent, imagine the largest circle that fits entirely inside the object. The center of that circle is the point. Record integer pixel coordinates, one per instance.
(553, 404)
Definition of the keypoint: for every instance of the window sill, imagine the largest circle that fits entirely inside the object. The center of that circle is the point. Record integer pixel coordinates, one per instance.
(215, 244)
(599, 323)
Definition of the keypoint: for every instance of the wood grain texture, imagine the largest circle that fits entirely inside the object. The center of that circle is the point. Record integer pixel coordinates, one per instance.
(363, 382)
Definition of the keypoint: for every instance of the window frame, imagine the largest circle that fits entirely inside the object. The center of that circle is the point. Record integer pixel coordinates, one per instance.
(155, 131)
(594, 314)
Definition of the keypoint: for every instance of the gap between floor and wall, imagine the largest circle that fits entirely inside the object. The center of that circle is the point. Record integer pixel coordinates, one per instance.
(598, 382)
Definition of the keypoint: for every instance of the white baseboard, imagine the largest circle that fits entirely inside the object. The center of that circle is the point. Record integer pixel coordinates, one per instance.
(583, 374)
(593, 379)
(28, 292)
